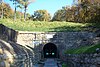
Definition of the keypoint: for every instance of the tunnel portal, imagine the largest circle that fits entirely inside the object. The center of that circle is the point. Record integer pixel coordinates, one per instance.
(50, 50)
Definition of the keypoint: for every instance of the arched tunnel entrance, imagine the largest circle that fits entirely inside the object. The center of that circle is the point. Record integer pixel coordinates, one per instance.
(50, 50)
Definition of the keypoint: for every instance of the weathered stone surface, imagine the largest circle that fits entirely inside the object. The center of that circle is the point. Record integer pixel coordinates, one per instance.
(83, 60)
(7, 33)
(68, 39)
(12, 53)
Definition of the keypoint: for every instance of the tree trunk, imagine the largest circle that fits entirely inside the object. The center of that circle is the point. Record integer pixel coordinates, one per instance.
(15, 12)
(21, 14)
(2, 13)
(2, 10)
(25, 14)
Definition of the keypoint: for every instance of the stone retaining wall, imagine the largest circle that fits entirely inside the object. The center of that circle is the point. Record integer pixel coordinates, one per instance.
(83, 60)
(63, 40)
(7, 33)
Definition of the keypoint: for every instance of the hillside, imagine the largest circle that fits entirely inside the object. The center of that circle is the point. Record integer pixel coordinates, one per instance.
(41, 26)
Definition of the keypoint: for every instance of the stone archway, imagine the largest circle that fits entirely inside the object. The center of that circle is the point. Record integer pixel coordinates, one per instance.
(50, 50)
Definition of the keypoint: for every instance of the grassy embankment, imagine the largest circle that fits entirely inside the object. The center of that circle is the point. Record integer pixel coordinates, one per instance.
(41, 26)
(83, 50)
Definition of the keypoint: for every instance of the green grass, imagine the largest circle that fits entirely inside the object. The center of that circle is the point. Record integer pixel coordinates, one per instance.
(41, 26)
(83, 50)
(64, 65)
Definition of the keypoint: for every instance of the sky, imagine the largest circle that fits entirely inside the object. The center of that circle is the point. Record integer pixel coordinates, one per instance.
(50, 5)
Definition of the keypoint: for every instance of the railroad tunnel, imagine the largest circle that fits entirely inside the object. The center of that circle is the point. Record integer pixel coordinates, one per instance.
(50, 51)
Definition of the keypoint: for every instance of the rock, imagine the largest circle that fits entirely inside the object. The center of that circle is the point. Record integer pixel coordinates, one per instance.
(1, 51)
(4, 64)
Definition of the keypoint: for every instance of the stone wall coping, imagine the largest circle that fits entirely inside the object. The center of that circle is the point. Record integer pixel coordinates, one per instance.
(34, 32)
(50, 32)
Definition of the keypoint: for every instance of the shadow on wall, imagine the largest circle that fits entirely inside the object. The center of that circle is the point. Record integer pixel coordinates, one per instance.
(9, 34)
(37, 53)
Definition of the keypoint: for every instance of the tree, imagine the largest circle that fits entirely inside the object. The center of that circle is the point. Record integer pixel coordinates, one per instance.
(65, 14)
(41, 15)
(15, 3)
(87, 9)
(7, 11)
(95, 12)
(60, 15)
(84, 5)
(1, 2)
(20, 13)
(25, 3)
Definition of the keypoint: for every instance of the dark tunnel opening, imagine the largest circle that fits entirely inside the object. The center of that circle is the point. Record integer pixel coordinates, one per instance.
(50, 50)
